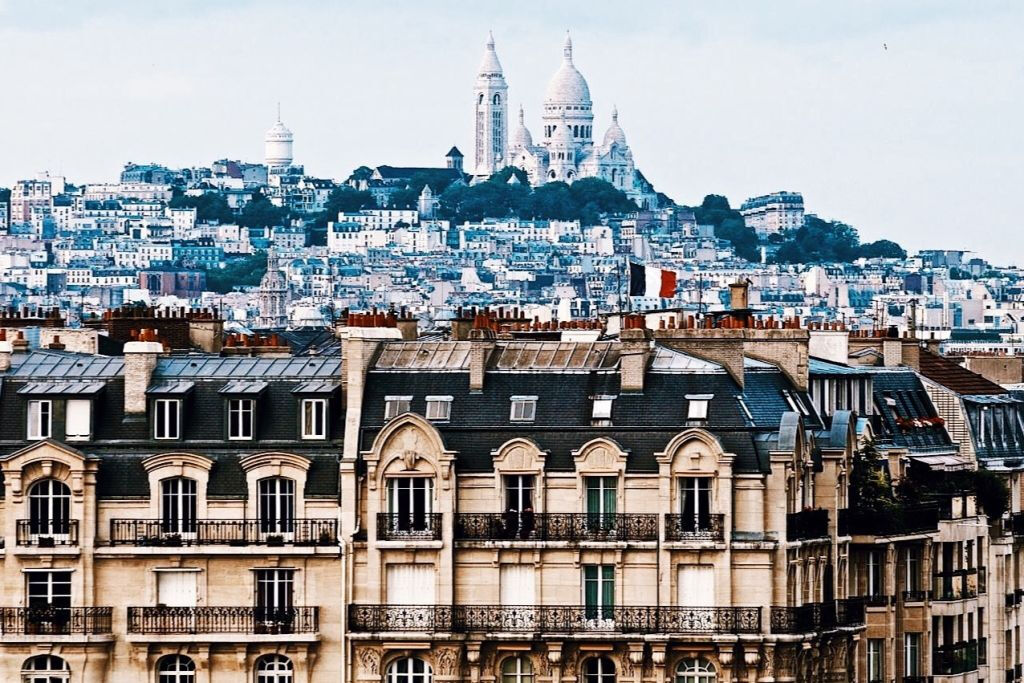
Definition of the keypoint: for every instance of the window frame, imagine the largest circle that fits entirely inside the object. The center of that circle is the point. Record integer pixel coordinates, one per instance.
(321, 404)
(521, 670)
(408, 675)
(875, 660)
(523, 402)
(444, 402)
(243, 407)
(395, 406)
(160, 405)
(36, 411)
(87, 435)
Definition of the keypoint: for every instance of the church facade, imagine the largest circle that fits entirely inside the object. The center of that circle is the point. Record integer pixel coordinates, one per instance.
(566, 150)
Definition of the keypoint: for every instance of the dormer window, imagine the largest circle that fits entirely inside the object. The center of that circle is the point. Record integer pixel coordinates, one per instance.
(78, 419)
(795, 404)
(40, 419)
(396, 405)
(439, 408)
(167, 418)
(602, 411)
(524, 408)
(240, 418)
(314, 418)
(697, 407)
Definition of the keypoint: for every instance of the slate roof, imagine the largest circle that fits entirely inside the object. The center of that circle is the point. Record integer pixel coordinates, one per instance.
(216, 367)
(997, 427)
(957, 379)
(40, 365)
(824, 368)
(899, 395)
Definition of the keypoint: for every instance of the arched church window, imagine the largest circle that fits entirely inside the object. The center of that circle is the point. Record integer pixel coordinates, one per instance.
(480, 100)
(497, 98)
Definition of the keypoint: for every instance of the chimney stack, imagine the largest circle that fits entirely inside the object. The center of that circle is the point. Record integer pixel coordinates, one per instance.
(139, 362)
(636, 348)
(739, 295)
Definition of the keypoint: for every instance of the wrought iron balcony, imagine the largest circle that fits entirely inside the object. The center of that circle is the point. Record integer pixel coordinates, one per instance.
(898, 521)
(817, 616)
(55, 621)
(554, 619)
(555, 526)
(240, 532)
(957, 658)
(408, 527)
(807, 524)
(691, 528)
(256, 620)
(47, 533)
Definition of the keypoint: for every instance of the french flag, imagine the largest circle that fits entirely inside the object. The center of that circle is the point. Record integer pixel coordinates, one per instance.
(650, 281)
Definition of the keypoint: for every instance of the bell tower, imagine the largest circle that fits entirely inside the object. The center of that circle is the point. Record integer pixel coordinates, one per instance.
(491, 110)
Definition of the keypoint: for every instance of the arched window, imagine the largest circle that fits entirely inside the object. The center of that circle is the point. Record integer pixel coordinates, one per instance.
(695, 671)
(551, 175)
(176, 669)
(480, 100)
(178, 505)
(276, 505)
(45, 669)
(599, 670)
(49, 508)
(409, 670)
(273, 669)
(517, 670)
(497, 98)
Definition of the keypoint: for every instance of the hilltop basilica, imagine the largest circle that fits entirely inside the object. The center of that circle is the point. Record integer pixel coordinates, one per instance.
(566, 150)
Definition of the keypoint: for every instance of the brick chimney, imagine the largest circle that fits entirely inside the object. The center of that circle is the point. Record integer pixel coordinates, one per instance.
(139, 362)
(479, 355)
(636, 349)
(739, 295)
(5, 352)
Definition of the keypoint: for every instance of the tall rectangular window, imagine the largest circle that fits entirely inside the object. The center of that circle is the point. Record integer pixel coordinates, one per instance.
(876, 660)
(874, 573)
(49, 589)
(314, 418)
(695, 503)
(410, 503)
(78, 419)
(911, 655)
(912, 580)
(178, 505)
(274, 592)
(240, 418)
(599, 591)
(40, 417)
(166, 422)
(602, 495)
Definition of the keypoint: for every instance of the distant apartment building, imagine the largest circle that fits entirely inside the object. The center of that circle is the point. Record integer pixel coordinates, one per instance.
(27, 194)
(775, 212)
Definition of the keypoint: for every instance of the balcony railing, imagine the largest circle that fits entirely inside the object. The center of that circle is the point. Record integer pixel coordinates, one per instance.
(47, 533)
(818, 616)
(689, 528)
(555, 526)
(241, 532)
(807, 524)
(554, 619)
(54, 621)
(896, 522)
(958, 584)
(256, 620)
(409, 527)
(915, 596)
(958, 658)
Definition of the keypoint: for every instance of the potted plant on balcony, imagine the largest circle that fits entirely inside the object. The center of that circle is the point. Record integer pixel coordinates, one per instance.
(171, 540)
(275, 540)
(326, 537)
(46, 541)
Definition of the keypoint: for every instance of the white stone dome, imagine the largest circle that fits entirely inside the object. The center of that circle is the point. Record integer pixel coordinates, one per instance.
(521, 138)
(278, 133)
(614, 132)
(567, 86)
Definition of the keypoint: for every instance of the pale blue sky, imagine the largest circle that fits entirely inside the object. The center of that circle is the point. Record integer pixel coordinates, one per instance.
(921, 142)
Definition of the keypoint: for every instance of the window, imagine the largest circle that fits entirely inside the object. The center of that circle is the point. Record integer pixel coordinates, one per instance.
(695, 671)
(517, 670)
(410, 503)
(602, 495)
(409, 670)
(240, 414)
(77, 421)
(273, 669)
(49, 591)
(395, 406)
(439, 408)
(45, 669)
(274, 589)
(695, 585)
(599, 591)
(697, 407)
(876, 661)
(599, 670)
(40, 415)
(166, 422)
(524, 408)
(314, 418)
(695, 503)
(602, 415)
(178, 505)
(913, 570)
(49, 509)
(911, 655)
(517, 585)
(411, 584)
(276, 505)
(176, 669)
(874, 573)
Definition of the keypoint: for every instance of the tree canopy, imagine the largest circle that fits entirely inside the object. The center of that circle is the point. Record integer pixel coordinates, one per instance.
(821, 241)
(260, 212)
(729, 225)
(244, 271)
(209, 207)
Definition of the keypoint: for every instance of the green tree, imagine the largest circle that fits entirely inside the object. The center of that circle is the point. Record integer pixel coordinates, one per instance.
(260, 212)
(992, 494)
(209, 207)
(728, 224)
(882, 249)
(244, 271)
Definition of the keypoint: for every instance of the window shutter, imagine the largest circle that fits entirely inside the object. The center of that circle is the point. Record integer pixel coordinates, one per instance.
(76, 425)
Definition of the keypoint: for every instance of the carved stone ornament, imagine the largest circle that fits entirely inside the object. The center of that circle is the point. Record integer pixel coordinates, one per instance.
(369, 660)
(409, 458)
(447, 660)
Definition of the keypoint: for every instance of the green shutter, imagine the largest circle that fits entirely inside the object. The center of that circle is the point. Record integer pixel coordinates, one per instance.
(590, 590)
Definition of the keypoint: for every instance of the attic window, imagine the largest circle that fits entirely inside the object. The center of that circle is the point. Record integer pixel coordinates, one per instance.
(697, 406)
(439, 408)
(524, 409)
(602, 415)
(794, 402)
(395, 406)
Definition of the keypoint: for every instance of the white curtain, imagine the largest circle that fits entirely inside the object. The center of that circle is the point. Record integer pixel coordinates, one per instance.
(176, 589)
(411, 584)
(696, 585)
(517, 584)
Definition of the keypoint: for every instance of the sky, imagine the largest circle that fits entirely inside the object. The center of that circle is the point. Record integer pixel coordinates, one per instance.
(902, 118)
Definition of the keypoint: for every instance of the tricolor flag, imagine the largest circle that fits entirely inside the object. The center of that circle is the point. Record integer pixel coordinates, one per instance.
(649, 281)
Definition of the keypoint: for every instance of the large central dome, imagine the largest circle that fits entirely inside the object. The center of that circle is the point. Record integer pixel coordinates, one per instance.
(567, 87)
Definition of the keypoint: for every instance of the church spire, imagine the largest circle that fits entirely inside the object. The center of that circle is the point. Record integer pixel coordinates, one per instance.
(567, 48)
(489, 65)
